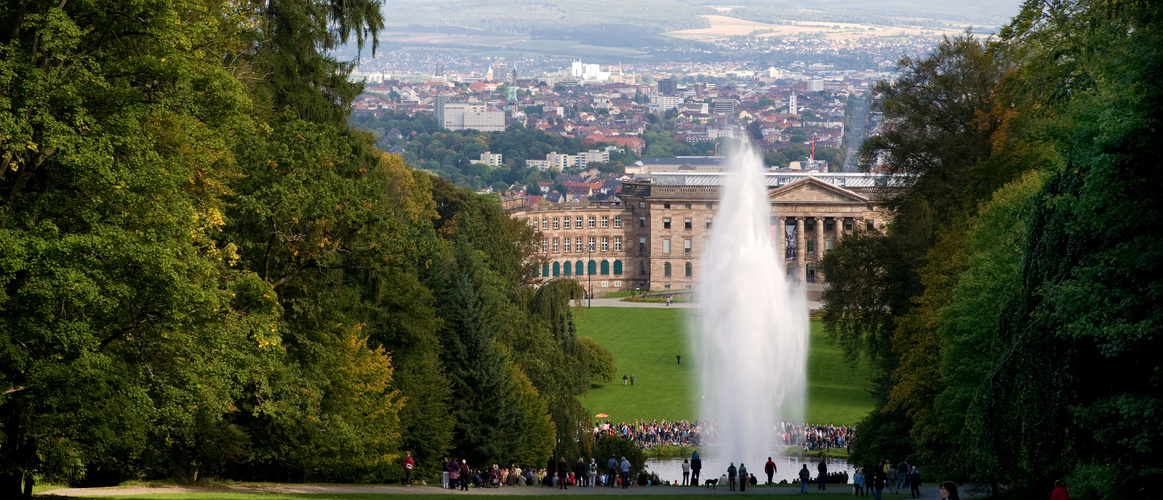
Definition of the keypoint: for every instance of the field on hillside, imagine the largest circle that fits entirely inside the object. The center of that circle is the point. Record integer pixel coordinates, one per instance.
(645, 341)
(724, 27)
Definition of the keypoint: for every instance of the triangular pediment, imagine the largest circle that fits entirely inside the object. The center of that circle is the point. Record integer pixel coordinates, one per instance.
(812, 190)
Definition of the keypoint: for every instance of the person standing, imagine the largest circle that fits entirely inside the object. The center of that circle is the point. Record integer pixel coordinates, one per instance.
(579, 471)
(805, 476)
(631, 379)
(592, 473)
(696, 467)
(731, 476)
(625, 473)
(444, 473)
(1059, 492)
(624, 379)
(678, 358)
(463, 475)
(769, 468)
(550, 468)
(408, 465)
(743, 477)
(822, 479)
(858, 483)
(562, 473)
(686, 471)
(949, 491)
(915, 482)
(612, 465)
(892, 478)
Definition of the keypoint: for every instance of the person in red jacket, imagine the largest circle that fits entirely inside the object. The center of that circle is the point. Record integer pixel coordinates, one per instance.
(408, 465)
(769, 468)
(1059, 492)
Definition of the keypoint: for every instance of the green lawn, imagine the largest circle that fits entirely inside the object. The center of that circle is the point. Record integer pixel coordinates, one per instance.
(644, 342)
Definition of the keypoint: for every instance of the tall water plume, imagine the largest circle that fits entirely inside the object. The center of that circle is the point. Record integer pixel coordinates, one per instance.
(751, 330)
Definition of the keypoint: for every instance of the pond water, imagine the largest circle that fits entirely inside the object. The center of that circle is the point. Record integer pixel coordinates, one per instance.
(787, 468)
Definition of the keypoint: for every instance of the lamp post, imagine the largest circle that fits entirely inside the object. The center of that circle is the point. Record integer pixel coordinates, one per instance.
(590, 275)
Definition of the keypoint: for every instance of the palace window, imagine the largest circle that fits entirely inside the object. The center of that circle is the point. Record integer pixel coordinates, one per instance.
(555, 219)
(666, 269)
(567, 245)
(579, 222)
(689, 269)
(618, 271)
(710, 206)
(709, 222)
(666, 245)
(605, 221)
(593, 244)
(810, 224)
(605, 268)
(555, 245)
(686, 246)
(642, 222)
(579, 246)
(847, 224)
(641, 245)
(565, 223)
(605, 243)
(617, 221)
(666, 223)
(544, 245)
(688, 206)
(811, 246)
(593, 222)
(830, 224)
(617, 243)
(686, 224)
(666, 206)
(544, 223)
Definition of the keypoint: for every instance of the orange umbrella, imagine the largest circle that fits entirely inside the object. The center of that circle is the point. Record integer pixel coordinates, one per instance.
(601, 415)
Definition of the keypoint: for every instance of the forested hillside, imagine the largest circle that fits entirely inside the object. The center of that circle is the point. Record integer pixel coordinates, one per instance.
(205, 273)
(1010, 308)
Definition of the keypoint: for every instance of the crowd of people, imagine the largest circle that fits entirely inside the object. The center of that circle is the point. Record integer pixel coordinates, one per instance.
(649, 435)
(457, 474)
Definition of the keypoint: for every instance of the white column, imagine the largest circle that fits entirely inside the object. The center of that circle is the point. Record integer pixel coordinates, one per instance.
(801, 247)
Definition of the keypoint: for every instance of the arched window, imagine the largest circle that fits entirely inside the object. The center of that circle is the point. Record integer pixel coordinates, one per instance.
(617, 268)
(556, 269)
(545, 270)
(605, 268)
(666, 269)
(811, 273)
(579, 269)
(689, 269)
(567, 268)
(593, 268)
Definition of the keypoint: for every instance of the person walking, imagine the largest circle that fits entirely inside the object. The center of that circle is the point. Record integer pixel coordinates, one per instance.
(902, 473)
(631, 379)
(893, 478)
(743, 477)
(731, 476)
(408, 465)
(686, 471)
(625, 473)
(769, 469)
(696, 467)
(805, 476)
(822, 479)
(612, 465)
(878, 479)
(915, 482)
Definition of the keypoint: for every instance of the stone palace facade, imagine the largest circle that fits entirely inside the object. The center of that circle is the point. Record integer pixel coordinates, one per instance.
(653, 239)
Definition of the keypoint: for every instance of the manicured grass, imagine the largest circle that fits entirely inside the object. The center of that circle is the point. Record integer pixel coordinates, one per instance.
(644, 342)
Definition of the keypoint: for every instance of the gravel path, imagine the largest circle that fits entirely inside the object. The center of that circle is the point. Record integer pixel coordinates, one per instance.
(928, 491)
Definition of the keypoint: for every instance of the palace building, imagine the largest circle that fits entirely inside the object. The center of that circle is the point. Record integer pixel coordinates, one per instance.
(653, 238)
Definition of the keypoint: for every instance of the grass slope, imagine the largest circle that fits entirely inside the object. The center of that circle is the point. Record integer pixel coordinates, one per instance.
(644, 342)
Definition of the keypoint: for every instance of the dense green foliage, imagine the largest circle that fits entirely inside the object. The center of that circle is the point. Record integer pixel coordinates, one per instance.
(1009, 304)
(204, 273)
(455, 155)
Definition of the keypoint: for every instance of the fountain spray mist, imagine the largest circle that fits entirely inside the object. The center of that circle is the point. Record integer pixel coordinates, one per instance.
(751, 331)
